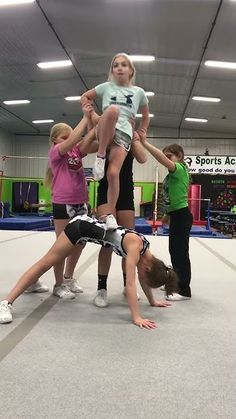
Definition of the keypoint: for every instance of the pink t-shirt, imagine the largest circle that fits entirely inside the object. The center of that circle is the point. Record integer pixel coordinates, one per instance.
(69, 184)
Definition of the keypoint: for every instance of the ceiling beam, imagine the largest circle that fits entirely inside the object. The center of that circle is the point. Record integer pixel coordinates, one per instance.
(200, 63)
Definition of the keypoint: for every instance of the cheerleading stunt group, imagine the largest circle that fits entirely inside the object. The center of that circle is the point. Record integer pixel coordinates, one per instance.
(116, 142)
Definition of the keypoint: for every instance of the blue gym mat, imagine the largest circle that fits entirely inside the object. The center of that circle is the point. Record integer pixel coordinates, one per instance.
(142, 226)
(26, 223)
(45, 223)
(196, 231)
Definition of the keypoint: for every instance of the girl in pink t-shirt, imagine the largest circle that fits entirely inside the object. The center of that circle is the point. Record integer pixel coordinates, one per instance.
(66, 177)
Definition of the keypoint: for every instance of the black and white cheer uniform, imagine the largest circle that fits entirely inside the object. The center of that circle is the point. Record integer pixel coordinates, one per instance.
(82, 229)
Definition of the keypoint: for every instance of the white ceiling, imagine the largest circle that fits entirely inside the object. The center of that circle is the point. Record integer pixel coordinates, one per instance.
(89, 32)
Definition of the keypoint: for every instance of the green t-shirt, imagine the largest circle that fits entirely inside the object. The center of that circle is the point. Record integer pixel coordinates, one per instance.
(175, 188)
(128, 98)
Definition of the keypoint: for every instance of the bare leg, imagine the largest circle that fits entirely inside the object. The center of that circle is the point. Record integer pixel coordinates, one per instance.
(72, 260)
(116, 160)
(61, 248)
(105, 254)
(104, 260)
(104, 263)
(59, 267)
(126, 219)
(106, 128)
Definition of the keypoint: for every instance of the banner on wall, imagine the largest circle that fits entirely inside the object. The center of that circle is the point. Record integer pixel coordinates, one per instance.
(215, 165)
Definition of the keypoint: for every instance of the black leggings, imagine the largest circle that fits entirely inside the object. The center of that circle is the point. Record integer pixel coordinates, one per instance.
(180, 225)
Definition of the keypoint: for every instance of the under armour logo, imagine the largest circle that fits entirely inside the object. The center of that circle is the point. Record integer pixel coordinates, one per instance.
(128, 99)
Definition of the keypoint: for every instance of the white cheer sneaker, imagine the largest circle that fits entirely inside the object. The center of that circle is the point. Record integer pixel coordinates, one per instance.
(5, 312)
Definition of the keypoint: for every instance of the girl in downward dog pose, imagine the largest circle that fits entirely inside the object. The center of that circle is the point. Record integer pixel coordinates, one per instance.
(129, 244)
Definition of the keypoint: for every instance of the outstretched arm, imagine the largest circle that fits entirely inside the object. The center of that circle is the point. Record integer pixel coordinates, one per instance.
(87, 102)
(142, 129)
(131, 291)
(74, 137)
(157, 154)
(138, 149)
(89, 143)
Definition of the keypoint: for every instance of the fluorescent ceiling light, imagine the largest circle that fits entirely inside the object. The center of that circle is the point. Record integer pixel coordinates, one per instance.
(16, 102)
(142, 58)
(55, 64)
(221, 64)
(14, 2)
(196, 119)
(149, 93)
(43, 121)
(206, 99)
(139, 115)
(72, 98)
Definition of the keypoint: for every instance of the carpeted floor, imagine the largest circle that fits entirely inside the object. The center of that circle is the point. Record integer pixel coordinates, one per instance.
(69, 359)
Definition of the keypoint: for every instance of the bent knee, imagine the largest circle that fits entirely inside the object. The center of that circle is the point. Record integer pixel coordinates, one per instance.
(112, 172)
(113, 111)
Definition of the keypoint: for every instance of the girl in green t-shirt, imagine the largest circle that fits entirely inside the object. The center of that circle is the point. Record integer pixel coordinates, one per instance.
(175, 189)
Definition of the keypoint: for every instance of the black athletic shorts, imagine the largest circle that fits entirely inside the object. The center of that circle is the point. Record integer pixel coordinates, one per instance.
(125, 200)
(79, 229)
(67, 211)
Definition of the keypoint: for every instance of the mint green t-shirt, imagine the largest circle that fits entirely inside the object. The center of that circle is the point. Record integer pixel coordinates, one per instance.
(128, 98)
(175, 188)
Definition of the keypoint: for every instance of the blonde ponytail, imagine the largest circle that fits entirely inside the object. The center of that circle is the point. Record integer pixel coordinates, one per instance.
(48, 177)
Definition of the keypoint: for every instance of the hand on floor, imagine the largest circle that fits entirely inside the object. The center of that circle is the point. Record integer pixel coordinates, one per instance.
(161, 303)
(145, 323)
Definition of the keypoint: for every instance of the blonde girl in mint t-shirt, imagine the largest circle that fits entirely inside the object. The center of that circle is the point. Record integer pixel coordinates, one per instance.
(121, 100)
(69, 189)
(175, 191)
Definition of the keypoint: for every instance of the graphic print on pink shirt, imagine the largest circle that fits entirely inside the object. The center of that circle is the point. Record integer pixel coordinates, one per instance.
(74, 162)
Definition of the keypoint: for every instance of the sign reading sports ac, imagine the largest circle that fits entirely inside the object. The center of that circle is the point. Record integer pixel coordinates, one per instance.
(224, 165)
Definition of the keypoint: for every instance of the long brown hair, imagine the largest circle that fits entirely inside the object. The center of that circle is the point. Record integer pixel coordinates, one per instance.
(160, 274)
(55, 131)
